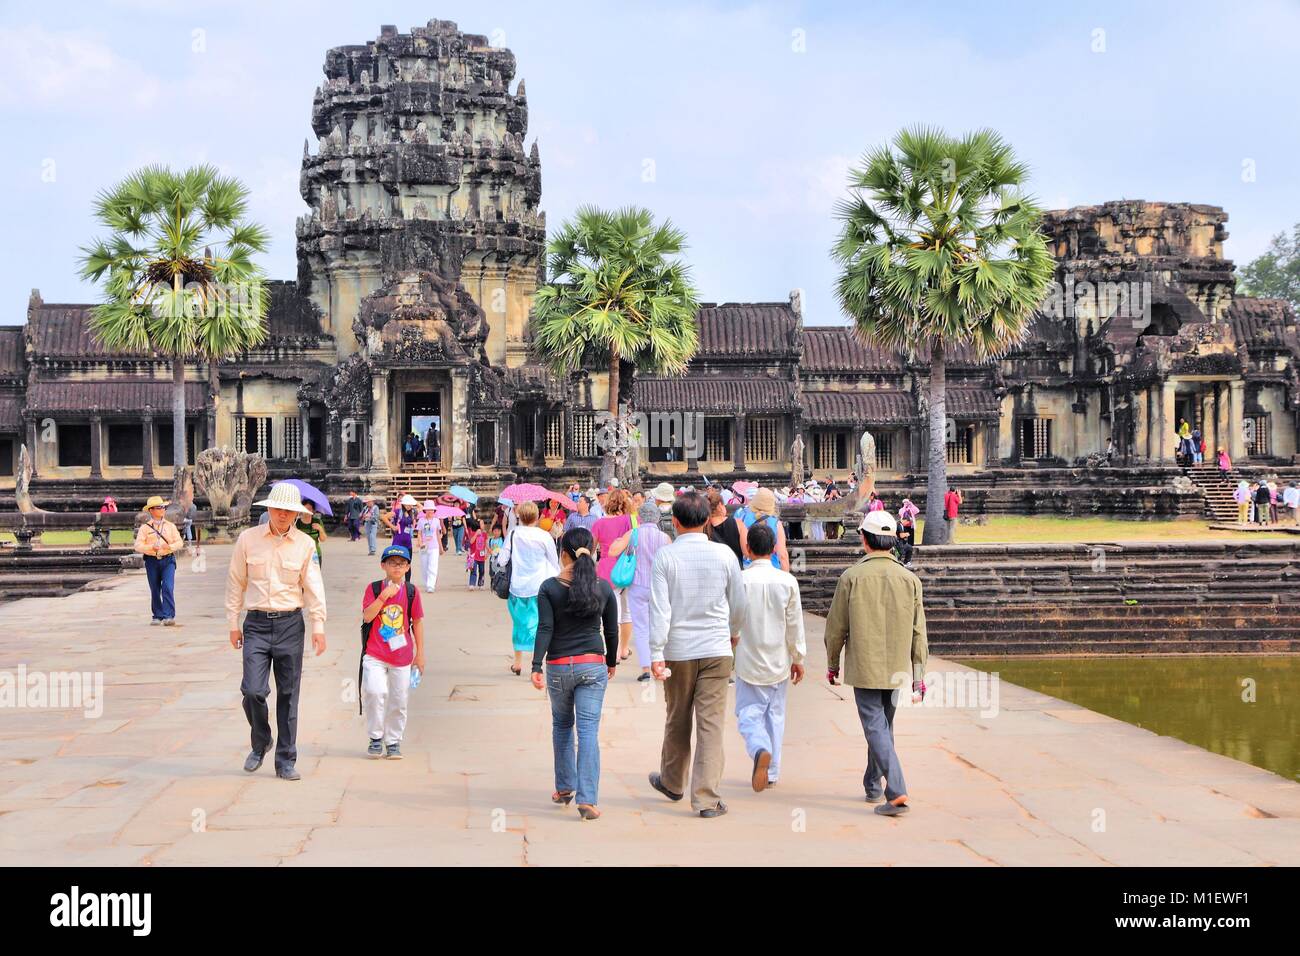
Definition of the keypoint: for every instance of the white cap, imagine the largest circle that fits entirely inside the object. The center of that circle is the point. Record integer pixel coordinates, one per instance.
(881, 523)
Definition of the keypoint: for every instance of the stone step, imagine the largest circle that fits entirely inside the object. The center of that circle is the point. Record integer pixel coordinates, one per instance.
(1015, 648)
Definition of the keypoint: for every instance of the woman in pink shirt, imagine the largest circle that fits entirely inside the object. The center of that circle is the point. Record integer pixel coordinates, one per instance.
(616, 523)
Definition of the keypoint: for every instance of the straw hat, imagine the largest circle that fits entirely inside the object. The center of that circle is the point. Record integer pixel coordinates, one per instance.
(764, 502)
(284, 496)
(156, 502)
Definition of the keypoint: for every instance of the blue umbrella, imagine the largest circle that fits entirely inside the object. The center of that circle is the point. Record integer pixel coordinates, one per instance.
(311, 493)
(463, 493)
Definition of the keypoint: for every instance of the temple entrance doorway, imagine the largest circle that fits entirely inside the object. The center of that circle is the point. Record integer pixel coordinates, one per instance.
(422, 420)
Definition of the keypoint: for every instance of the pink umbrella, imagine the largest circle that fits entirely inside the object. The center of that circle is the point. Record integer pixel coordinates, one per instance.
(447, 511)
(524, 492)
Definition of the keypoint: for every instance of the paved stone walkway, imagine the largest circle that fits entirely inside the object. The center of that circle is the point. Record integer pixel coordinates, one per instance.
(157, 778)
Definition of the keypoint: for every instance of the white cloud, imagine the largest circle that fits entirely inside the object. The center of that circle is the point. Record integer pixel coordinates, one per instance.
(65, 70)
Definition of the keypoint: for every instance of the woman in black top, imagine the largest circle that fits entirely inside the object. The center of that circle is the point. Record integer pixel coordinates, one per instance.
(720, 527)
(577, 637)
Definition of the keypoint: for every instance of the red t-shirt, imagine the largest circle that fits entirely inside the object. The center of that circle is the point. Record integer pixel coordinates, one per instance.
(950, 504)
(395, 619)
(478, 546)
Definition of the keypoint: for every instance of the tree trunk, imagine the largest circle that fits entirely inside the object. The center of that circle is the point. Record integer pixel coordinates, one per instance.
(609, 462)
(936, 485)
(178, 426)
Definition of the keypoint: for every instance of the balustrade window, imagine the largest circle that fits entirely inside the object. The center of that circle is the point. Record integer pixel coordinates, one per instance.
(292, 437)
(584, 435)
(717, 440)
(1256, 435)
(885, 451)
(1035, 438)
(761, 442)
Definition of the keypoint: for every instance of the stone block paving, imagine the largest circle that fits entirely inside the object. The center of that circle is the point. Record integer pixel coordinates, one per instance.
(157, 779)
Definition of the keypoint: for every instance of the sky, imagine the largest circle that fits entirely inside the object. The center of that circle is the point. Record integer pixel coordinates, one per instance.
(737, 121)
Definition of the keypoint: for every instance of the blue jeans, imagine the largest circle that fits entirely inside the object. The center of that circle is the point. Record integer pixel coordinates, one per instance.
(459, 533)
(372, 534)
(876, 711)
(476, 574)
(161, 573)
(577, 691)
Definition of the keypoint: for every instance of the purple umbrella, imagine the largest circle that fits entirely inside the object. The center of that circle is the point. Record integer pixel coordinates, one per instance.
(311, 493)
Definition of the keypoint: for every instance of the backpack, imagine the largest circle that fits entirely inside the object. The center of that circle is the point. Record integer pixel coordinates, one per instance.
(375, 588)
(624, 569)
(501, 573)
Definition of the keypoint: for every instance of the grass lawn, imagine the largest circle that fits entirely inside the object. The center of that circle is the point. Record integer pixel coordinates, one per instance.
(1004, 528)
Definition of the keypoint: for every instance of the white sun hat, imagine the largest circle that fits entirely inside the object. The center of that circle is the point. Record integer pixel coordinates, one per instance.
(409, 500)
(284, 496)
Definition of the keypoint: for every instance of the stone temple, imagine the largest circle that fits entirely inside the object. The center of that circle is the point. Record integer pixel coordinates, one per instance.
(418, 258)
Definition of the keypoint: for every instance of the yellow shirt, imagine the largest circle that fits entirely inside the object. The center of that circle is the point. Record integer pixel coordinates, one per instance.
(154, 535)
(270, 572)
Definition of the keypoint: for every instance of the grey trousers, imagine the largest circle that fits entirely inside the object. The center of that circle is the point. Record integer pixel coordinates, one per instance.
(273, 643)
(876, 711)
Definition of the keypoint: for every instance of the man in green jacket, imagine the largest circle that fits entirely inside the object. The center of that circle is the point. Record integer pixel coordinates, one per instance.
(877, 620)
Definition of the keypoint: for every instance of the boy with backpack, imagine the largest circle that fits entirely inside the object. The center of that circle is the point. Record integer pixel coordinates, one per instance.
(392, 641)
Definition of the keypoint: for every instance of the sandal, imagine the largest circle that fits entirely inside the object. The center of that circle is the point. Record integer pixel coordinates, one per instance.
(562, 796)
(625, 655)
(588, 812)
(516, 670)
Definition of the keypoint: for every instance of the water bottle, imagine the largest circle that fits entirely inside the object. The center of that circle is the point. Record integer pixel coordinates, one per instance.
(415, 676)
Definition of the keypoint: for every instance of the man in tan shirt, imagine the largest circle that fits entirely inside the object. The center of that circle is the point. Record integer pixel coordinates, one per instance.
(159, 541)
(273, 574)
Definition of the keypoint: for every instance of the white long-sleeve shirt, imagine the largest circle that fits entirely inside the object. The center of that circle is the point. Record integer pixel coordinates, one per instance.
(772, 638)
(697, 600)
(535, 559)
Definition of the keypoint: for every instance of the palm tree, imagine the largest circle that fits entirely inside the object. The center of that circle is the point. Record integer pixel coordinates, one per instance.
(178, 274)
(617, 293)
(940, 248)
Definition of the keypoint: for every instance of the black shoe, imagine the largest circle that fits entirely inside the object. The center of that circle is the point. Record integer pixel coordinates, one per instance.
(645, 676)
(254, 761)
(288, 773)
(657, 782)
(892, 809)
(712, 812)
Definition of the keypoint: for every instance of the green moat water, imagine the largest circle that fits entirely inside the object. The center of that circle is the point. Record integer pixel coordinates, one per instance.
(1202, 700)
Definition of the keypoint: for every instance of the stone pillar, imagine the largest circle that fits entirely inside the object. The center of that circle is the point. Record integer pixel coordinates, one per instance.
(1236, 416)
(96, 447)
(379, 422)
(504, 439)
(304, 430)
(1167, 422)
(146, 444)
(333, 439)
(1141, 426)
(31, 444)
(738, 443)
(458, 421)
(539, 436)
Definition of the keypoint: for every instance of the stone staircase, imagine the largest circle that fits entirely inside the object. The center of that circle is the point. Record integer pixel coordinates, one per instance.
(1217, 488)
(54, 572)
(1130, 598)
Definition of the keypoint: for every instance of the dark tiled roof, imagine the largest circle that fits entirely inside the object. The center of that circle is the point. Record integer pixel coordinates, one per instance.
(746, 330)
(882, 407)
(63, 331)
(838, 349)
(121, 395)
(1259, 321)
(971, 403)
(11, 414)
(710, 394)
(12, 346)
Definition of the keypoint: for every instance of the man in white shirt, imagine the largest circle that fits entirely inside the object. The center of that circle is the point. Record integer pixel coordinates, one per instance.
(1291, 498)
(697, 603)
(769, 657)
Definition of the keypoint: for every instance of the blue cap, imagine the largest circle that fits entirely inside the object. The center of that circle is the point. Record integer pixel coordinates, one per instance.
(395, 551)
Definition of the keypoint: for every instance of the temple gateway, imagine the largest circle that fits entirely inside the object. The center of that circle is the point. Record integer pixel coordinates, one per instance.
(417, 264)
